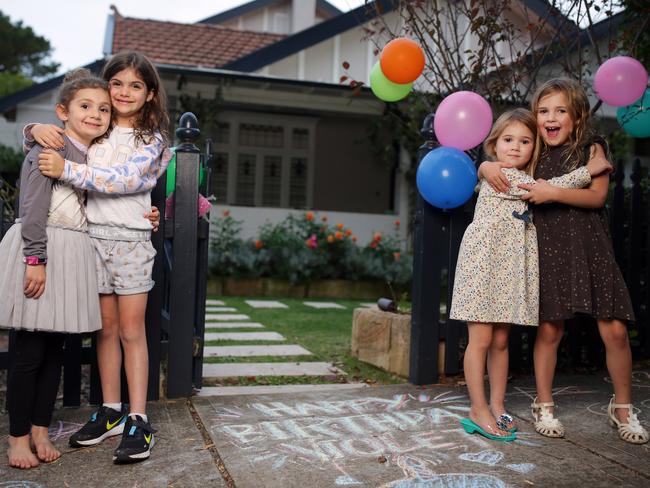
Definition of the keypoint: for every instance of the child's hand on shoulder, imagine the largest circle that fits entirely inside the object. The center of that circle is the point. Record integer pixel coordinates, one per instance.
(50, 163)
(34, 285)
(491, 172)
(598, 163)
(48, 135)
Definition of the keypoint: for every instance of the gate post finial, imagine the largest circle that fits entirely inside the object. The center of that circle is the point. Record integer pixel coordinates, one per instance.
(188, 131)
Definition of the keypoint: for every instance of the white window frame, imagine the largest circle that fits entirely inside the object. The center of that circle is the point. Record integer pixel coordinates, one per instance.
(288, 123)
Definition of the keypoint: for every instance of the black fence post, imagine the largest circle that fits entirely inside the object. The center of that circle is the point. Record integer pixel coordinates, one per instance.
(427, 265)
(182, 297)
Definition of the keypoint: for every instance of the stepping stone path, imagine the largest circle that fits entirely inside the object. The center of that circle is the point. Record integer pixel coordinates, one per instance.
(266, 304)
(323, 305)
(217, 325)
(243, 336)
(219, 309)
(221, 316)
(250, 351)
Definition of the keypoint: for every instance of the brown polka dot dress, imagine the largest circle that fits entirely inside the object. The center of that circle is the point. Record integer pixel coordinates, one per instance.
(578, 271)
(497, 278)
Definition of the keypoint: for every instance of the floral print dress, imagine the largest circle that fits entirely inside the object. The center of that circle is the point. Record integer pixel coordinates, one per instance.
(497, 276)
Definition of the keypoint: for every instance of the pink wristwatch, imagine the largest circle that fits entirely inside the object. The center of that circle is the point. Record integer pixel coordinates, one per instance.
(34, 260)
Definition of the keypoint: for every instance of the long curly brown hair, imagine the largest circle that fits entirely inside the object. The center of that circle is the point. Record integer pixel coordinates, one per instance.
(153, 117)
(579, 111)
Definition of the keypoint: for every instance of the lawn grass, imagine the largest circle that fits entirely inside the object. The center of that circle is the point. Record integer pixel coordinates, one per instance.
(324, 332)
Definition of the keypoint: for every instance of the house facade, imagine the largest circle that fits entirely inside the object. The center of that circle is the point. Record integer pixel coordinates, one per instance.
(287, 134)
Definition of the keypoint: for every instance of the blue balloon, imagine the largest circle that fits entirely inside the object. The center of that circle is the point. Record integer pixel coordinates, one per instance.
(446, 177)
(635, 118)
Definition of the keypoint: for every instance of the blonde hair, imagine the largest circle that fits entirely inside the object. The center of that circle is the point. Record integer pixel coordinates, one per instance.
(579, 111)
(523, 116)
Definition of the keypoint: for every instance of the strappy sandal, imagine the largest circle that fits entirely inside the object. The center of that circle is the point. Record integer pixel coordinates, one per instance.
(545, 423)
(631, 431)
(506, 422)
(472, 427)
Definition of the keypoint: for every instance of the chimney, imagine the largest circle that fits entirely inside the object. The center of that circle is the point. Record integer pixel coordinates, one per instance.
(303, 14)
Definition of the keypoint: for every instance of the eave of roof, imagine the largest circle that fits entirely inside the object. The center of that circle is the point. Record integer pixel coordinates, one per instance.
(257, 4)
(309, 37)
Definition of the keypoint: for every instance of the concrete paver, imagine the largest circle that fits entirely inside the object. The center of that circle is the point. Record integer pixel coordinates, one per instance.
(233, 325)
(243, 336)
(211, 301)
(179, 458)
(266, 389)
(211, 370)
(248, 351)
(324, 305)
(409, 437)
(220, 309)
(266, 304)
(225, 316)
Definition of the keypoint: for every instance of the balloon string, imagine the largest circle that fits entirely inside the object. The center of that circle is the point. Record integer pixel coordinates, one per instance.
(633, 113)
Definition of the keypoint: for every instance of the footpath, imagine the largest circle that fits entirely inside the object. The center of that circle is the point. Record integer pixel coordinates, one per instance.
(390, 436)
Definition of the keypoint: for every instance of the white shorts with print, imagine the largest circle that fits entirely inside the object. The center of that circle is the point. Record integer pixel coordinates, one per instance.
(124, 267)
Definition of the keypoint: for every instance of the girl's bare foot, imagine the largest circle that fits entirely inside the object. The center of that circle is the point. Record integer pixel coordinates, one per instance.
(45, 450)
(485, 419)
(20, 454)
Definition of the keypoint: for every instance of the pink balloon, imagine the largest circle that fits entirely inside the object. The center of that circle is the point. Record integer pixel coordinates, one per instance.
(620, 81)
(463, 120)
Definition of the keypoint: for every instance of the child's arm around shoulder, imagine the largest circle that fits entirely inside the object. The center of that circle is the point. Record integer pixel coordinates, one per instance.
(139, 173)
(47, 135)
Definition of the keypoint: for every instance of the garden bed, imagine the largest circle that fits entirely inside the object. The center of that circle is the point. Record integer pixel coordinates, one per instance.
(272, 287)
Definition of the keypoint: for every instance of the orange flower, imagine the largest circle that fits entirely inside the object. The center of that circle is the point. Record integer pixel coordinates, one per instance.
(339, 226)
(397, 256)
(354, 238)
(309, 216)
(226, 213)
(397, 223)
(377, 237)
(348, 232)
(324, 219)
(338, 234)
(259, 244)
(330, 238)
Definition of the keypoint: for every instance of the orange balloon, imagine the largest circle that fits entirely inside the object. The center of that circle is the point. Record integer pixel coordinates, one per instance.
(402, 60)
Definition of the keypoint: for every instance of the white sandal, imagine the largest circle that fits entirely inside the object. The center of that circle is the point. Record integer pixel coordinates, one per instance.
(545, 423)
(631, 431)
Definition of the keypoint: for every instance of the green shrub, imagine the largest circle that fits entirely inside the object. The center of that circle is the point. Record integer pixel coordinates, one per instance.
(303, 248)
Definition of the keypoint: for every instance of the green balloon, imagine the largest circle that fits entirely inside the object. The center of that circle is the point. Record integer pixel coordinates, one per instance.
(384, 89)
(171, 174)
(635, 118)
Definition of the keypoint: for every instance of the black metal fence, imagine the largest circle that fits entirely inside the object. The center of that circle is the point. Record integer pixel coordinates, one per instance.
(437, 343)
(176, 305)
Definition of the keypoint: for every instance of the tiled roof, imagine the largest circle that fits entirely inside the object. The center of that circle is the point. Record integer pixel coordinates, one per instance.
(187, 44)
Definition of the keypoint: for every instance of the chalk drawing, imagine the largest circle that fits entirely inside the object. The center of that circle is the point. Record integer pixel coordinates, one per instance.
(347, 480)
(640, 379)
(489, 457)
(523, 468)
(531, 392)
(418, 474)
(19, 484)
(62, 429)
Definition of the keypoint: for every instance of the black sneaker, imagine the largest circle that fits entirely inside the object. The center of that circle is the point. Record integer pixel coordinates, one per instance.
(137, 441)
(105, 422)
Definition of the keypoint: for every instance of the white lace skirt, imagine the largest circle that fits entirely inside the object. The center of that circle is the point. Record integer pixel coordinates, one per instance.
(70, 302)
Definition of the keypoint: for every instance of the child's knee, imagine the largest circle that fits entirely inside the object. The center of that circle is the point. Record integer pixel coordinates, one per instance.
(499, 343)
(615, 334)
(132, 333)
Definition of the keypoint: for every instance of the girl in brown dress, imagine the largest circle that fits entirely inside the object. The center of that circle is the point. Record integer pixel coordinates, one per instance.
(578, 272)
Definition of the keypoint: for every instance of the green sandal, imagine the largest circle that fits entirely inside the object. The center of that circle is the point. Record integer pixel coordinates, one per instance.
(472, 427)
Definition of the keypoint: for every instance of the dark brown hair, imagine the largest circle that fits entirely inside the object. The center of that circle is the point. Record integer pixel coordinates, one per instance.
(153, 117)
(76, 80)
(578, 107)
(523, 116)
